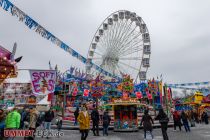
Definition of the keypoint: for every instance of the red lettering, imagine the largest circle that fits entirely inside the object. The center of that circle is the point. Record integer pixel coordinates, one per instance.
(6, 133)
(20, 133)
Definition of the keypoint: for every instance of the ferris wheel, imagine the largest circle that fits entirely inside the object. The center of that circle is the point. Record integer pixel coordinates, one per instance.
(121, 45)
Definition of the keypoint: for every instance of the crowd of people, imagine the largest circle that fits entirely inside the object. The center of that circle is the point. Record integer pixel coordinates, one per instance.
(189, 119)
(84, 121)
(186, 119)
(30, 119)
(26, 119)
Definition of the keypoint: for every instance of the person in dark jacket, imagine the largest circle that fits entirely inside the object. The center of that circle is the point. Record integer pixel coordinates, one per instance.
(185, 121)
(177, 120)
(106, 122)
(205, 117)
(95, 120)
(49, 115)
(76, 114)
(147, 122)
(163, 119)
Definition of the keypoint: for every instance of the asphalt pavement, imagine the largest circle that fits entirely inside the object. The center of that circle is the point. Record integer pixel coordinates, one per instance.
(200, 132)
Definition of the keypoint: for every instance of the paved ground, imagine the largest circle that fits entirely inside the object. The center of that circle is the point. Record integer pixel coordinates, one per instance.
(200, 132)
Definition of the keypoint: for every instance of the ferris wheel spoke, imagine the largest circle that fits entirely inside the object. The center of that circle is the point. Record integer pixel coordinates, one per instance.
(97, 58)
(127, 36)
(127, 28)
(106, 40)
(121, 69)
(135, 46)
(129, 46)
(130, 39)
(128, 65)
(130, 58)
(114, 39)
(109, 32)
(125, 33)
(118, 42)
(124, 68)
(102, 48)
(129, 52)
(98, 53)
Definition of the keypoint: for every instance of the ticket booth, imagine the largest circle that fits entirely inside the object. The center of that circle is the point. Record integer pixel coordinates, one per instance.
(125, 114)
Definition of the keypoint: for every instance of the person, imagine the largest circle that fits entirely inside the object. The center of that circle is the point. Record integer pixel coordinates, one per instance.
(195, 114)
(49, 115)
(205, 117)
(192, 119)
(76, 114)
(25, 118)
(33, 119)
(2, 124)
(177, 120)
(200, 118)
(84, 122)
(13, 121)
(163, 120)
(106, 121)
(101, 113)
(147, 122)
(95, 120)
(59, 123)
(40, 119)
(185, 121)
(22, 115)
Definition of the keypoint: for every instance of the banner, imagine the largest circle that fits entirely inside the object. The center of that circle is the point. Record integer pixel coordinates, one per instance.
(43, 81)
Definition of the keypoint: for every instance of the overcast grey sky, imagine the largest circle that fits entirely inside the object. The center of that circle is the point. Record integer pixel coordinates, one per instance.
(179, 30)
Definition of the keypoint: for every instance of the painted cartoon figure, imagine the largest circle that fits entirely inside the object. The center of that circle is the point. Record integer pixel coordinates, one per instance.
(44, 86)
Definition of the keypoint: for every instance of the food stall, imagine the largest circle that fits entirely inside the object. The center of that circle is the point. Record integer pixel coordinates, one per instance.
(126, 114)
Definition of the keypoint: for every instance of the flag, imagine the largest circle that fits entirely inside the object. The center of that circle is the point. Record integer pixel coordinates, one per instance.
(56, 67)
(50, 67)
(72, 70)
(17, 60)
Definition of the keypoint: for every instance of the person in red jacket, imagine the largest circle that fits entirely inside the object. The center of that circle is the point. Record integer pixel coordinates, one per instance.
(177, 120)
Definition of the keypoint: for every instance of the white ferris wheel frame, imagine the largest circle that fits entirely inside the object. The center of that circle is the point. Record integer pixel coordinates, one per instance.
(143, 31)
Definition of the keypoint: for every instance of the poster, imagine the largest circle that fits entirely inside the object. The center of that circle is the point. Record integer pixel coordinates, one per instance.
(43, 81)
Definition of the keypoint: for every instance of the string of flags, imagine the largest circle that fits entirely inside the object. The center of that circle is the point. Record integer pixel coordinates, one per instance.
(33, 25)
(189, 84)
(186, 86)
